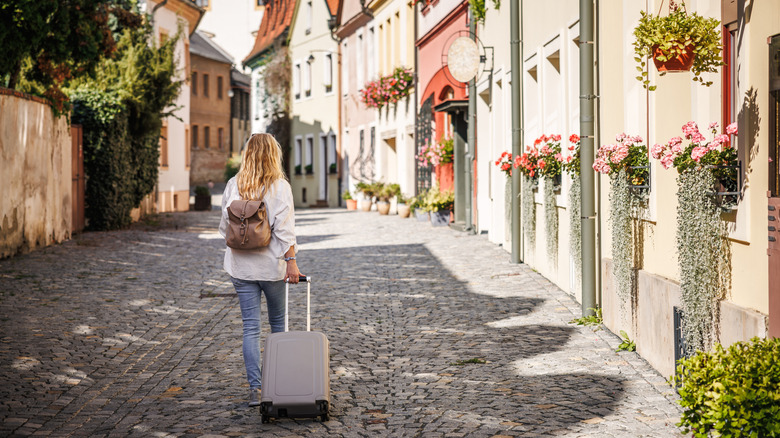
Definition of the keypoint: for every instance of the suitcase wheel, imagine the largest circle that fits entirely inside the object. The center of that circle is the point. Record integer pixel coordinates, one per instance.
(264, 419)
(322, 406)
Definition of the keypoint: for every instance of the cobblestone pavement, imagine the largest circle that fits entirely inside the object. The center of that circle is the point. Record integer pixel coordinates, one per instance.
(137, 333)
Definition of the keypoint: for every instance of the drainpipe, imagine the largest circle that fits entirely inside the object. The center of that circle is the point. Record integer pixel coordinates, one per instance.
(516, 45)
(587, 174)
(416, 98)
(471, 137)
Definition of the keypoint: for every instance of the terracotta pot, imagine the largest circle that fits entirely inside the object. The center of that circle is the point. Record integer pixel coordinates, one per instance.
(681, 63)
(351, 204)
(404, 210)
(383, 207)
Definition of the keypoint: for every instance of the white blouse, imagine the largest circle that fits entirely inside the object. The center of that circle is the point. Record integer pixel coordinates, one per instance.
(267, 263)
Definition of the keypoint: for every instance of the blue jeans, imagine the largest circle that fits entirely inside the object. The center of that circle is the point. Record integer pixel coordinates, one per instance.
(249, 297)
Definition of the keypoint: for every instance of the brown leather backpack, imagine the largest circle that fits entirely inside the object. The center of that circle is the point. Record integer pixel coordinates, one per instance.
(248, 226)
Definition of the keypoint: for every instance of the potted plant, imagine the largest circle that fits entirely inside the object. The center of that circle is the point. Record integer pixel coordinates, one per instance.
(202, 198)
(368, 195)
(419, 207)
(703, 253)
(332, 168)
(678, 41)
(441, 204)
(297, 169)
(309, 169)
(627, 164)
(383, 193)
(351, 203)
(404, 209)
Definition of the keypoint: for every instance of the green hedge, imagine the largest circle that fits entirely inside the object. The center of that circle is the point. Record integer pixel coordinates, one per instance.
(732, 392)
(107, 158)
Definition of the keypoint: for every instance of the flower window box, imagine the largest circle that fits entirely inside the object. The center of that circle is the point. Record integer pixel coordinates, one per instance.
(728, 185)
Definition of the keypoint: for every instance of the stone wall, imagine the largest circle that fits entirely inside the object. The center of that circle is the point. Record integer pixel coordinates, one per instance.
(35, 164)
(651, 324)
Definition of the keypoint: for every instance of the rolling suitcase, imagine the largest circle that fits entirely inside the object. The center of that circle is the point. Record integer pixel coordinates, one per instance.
(296, 370)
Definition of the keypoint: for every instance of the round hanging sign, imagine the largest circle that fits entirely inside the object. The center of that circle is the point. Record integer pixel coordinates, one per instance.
(463, 59)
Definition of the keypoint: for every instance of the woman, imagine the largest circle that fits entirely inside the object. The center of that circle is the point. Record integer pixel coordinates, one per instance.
(264, 270)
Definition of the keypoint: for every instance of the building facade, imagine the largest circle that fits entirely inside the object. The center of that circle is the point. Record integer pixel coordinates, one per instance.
(240, 117)
(270, 108)
(173, 188)
(232, 25)
(390, 46)
(314, 128)
(210, 114)
(550, 90)
(358, 123)
(439, 23)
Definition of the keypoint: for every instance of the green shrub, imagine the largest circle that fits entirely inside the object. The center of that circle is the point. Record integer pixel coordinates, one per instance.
(732, 392)
(231, 167)
(346, 196)
(107, 158)
(202, 191)
(436, 200)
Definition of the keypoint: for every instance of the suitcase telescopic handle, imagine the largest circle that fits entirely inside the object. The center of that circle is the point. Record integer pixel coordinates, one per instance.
(302, 278)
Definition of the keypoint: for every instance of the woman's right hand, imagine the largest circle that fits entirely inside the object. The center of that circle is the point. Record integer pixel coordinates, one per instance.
(293, 274)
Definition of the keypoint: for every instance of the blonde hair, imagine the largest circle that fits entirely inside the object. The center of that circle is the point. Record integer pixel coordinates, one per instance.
(261, 166)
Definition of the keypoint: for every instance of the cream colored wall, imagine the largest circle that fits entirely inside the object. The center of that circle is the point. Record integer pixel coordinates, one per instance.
(676, 101)
(317, 113)
(35, 161)
(750, 273)
(494, 128)
(395, 124)
(548, 27)
(176, 177)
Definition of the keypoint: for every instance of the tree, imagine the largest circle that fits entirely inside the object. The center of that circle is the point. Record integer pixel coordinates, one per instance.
(138, 85)
(47, 42)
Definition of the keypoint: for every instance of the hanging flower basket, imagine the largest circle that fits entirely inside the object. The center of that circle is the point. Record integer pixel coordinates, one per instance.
(681, 62)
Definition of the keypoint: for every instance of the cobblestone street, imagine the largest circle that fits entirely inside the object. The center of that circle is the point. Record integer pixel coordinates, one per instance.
(138, 332)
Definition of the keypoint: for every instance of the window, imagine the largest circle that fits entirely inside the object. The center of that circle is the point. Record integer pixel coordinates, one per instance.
(332, 167)
(205, 4)
(370, 62)
(259, 5)
(206, 140)
(163, 36)
(194, 136)
(298, 152)
(186, 57)
(309, 155)
(220, 138)
(186, 149)
(730, 92)
(308, 17)
(359, 58)
(328, 70)
(297, 81)
(164, 146)
(345, 70)
(307, 77)
(258, 98)
(219, 87)
(194, 83)
(205, 85)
